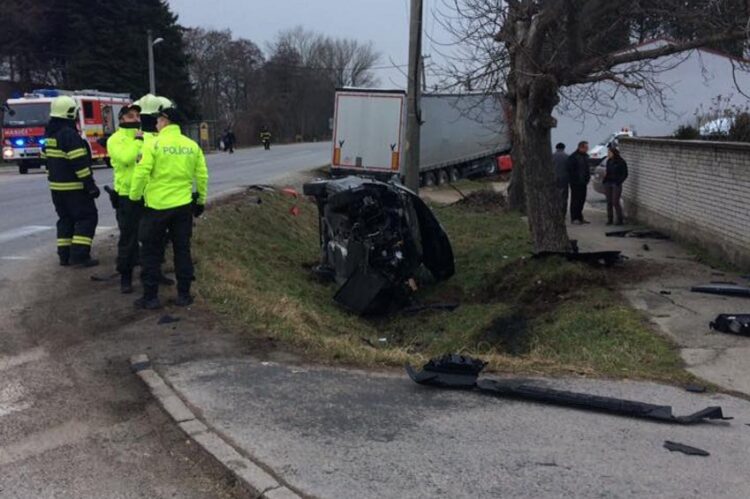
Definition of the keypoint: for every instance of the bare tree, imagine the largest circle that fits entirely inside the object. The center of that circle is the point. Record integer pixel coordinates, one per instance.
(543, 51)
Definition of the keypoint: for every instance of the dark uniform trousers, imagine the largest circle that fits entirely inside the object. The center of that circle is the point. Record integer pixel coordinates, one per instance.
(76, 224)
(577, 200)
(154, 226)
(128, 220)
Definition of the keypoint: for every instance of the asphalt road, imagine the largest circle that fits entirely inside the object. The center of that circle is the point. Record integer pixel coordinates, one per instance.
(74, 421)
(27, 217)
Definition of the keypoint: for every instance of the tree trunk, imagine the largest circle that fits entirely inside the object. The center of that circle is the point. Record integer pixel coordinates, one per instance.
(535, 100)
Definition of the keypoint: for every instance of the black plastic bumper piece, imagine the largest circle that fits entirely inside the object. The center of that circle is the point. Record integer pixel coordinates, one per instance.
(449, 371)
(724, 289)
(732, 324)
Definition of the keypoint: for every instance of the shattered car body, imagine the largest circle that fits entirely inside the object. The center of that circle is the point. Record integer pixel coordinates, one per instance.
(374, 236)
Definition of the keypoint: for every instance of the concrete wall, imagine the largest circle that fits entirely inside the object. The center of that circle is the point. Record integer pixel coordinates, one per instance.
(697, 191)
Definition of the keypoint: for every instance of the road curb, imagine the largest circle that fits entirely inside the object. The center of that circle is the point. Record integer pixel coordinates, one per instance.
(257, 481)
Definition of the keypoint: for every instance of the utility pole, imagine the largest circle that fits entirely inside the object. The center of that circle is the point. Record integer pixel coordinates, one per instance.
(413, 113)
(151, 72)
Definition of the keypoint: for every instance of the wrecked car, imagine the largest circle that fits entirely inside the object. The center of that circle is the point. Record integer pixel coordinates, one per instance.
(374, 238)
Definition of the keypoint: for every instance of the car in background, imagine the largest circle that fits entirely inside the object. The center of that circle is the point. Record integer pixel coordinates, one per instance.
(598, 153)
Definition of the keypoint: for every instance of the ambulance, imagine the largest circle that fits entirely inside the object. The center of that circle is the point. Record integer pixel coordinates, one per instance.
(25, 117)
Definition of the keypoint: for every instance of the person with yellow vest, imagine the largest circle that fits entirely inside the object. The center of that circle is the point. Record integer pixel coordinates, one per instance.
(72, 184)
(124, 150)
(164, 178)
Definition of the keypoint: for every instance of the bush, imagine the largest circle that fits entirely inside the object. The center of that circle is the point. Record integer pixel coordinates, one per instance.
(687, 132)
(740, 130)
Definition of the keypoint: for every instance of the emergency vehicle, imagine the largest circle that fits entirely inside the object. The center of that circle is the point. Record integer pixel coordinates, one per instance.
(25, 118)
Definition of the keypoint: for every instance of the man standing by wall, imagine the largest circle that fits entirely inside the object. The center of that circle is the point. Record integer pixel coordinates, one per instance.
(560, 161)
(579, 175)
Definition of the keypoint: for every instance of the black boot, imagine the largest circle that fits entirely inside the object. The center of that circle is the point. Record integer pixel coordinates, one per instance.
(126, 284)
(149, 300)
(184, 298)
(64, 253)
(85, 264)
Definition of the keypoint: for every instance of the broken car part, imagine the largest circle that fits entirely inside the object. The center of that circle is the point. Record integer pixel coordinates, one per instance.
(638, 233)
(685, 449)
(448, 371)
(456, 371)
(725, 289)
(732, 324)
(374, 236)
(447, 307)
(594, 402)
(595, 258)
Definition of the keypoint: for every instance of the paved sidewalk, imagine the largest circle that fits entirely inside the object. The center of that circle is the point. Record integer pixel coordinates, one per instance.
(336, 433)
(717, 357)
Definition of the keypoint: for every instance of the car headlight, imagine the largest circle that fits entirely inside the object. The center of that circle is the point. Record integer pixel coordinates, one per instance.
(7, 153)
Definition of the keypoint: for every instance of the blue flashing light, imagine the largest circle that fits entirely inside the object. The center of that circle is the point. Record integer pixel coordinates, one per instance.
(18, 142)
(42, 141)
(47, 92)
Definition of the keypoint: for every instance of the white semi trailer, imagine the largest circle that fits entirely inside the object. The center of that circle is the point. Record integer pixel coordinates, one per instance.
(463, 135)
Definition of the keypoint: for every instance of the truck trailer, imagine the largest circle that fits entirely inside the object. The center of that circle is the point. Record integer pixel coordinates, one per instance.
(462, 135)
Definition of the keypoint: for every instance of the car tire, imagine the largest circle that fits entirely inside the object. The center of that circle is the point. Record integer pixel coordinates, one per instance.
(23, 169)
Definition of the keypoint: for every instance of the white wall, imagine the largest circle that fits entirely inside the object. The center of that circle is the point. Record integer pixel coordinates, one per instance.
(691, 79)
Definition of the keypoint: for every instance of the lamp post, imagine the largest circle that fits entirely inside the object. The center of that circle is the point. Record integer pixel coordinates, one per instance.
(151, 73)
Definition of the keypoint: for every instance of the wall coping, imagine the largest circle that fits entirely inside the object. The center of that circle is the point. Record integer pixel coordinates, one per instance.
(697, 144)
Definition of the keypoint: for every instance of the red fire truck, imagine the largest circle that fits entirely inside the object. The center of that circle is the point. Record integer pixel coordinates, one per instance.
(25, 117)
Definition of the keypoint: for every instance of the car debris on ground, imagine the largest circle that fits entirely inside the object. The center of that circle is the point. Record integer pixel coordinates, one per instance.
(374, 237)
(462, 372)
(593, 258)
(638, 233)
(723, 288)
(732, 323)
(685, 449)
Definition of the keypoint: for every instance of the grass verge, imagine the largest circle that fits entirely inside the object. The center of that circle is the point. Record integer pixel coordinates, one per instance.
(522, 315)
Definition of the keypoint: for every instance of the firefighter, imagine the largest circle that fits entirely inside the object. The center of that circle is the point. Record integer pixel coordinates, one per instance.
(71, 182)
(124, 149)
(164, 179)
(265, 139)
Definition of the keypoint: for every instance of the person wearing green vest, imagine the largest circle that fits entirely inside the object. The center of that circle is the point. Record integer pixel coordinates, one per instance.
(124, 149)
(170, 165)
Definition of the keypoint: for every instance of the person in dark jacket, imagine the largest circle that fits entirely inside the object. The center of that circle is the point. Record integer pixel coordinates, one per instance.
(229, 140)
(617, 173)
(560, 162)
(71, 182)
(579, 176)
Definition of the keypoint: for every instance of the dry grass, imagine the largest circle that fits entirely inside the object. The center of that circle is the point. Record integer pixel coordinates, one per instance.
(521, 315)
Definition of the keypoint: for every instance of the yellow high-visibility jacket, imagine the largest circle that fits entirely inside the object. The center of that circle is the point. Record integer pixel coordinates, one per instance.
(123, 149)
(169, 166)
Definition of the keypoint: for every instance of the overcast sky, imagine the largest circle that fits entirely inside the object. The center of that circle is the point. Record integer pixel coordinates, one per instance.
(384, 22)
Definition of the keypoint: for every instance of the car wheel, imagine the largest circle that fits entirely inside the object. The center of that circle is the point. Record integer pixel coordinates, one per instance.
(23, 169)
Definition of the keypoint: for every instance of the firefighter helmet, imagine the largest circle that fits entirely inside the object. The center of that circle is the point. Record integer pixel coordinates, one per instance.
(64, 107)
(149, 104)
(165, 103)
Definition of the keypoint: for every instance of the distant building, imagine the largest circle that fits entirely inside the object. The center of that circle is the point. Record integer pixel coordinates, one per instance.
(692, 82)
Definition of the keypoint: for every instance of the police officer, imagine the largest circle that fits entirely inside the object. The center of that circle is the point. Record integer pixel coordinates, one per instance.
(72, 184)
(164, 179)
(124, 150)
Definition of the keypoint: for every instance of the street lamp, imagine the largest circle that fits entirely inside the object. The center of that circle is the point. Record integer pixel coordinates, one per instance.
(151, 74)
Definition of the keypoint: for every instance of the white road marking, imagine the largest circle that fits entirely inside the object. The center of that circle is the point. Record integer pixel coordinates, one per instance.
(11, 361)
(14, 258)
(12, 397)
(19, 232)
